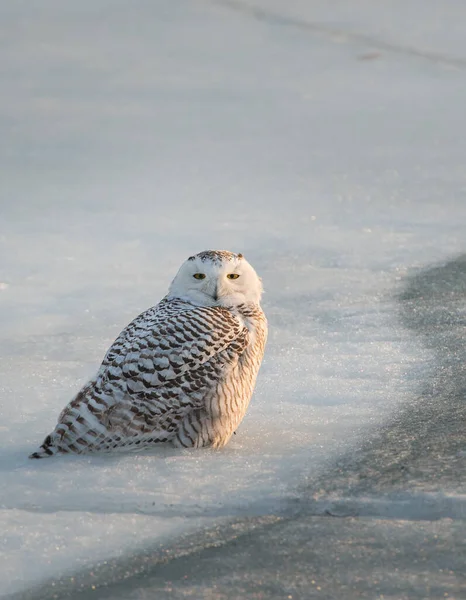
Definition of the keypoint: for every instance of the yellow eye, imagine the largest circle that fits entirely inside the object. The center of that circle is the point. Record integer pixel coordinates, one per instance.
(232, 275)
(199, 276)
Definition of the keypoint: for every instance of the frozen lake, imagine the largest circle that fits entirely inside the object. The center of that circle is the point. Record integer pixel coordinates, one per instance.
(326, 144)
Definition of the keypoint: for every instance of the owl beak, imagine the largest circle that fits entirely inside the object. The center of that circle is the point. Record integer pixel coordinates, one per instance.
(215, 294)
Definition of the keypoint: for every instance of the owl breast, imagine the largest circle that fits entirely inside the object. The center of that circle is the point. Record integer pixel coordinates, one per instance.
(226, 403)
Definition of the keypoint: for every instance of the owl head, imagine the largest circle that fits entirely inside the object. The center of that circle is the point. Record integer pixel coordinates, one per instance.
(217, 278)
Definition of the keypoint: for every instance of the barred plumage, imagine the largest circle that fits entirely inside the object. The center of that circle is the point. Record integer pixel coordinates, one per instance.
(182, 372)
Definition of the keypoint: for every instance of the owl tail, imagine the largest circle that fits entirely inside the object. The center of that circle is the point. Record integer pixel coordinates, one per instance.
(47, 449)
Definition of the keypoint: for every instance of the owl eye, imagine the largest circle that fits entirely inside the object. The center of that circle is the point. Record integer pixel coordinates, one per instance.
(232, 275)
(199, 276)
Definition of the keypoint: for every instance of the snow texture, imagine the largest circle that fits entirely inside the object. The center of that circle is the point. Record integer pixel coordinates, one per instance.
(326, 144)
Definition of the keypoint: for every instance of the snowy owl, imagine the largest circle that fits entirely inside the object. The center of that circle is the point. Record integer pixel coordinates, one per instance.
(182, 372)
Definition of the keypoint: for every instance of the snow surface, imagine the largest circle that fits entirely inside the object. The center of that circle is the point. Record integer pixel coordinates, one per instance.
(137, 133)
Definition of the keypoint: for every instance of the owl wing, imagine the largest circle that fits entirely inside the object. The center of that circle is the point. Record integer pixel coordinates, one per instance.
(158, 369)
(156, 349)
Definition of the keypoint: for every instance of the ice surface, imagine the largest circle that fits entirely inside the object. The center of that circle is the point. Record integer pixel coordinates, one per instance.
(134, 134)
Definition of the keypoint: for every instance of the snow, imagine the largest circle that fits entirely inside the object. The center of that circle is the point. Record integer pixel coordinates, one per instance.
(135, 134)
